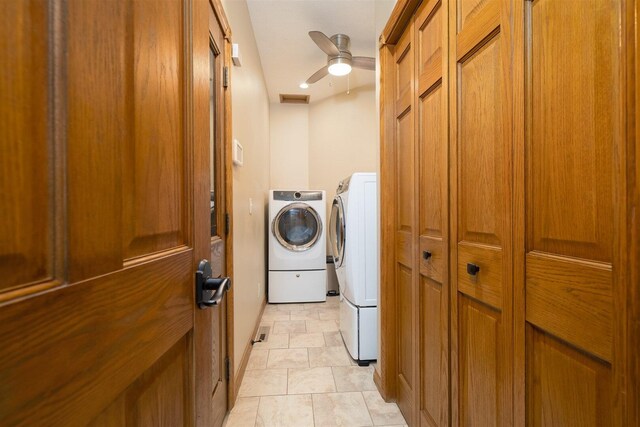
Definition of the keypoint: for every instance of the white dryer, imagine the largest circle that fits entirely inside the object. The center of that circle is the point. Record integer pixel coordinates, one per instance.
(353, 238)
(297, 249)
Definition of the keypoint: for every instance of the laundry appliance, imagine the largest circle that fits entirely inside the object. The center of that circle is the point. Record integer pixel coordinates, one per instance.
(353, 238)
(297, 247)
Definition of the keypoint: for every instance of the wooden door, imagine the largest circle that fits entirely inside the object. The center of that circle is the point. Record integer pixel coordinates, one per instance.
(481, 148)
(432, 136)
(405, 192)
(104, 179)
(574, 128)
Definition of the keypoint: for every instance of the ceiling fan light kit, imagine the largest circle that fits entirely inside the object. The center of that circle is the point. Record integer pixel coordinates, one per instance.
(339, 59)
(339, 66)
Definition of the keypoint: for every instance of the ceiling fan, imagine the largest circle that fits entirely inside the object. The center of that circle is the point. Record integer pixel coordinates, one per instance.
(339, 58)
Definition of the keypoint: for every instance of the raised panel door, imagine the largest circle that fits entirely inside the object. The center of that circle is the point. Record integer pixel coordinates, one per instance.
(481, 161)
(433, 214)
(572, 130)
(405, 227)
(107, 199)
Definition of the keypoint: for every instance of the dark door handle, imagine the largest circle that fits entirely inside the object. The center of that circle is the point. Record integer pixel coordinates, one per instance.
(426, 255)
(209, 291)
(472, 269)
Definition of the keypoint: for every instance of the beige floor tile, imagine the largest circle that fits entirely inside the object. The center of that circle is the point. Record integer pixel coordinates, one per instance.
(288, 358)
(322, 326)
(328, 356)
(315, 339)
(333, 339)
(285, 411)
(290, 307)
(274, 341)
(305, 315)
(286, 327)
(353, 378)
(382, 413)
(310, 380)
(315, 305)
(258, 359)
(276, 315)
(340, 409)
(329, 314)
(263, 382)
(243, 413)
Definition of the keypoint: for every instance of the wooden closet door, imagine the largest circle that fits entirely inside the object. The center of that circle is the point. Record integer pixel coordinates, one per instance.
(405, 225)
(433, 219)
(573, 128)
(481, 148)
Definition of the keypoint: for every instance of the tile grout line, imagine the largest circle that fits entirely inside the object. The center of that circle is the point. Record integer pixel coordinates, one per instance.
(366, 405)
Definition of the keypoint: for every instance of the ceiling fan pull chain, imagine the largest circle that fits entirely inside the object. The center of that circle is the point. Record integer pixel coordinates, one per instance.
(348, 84)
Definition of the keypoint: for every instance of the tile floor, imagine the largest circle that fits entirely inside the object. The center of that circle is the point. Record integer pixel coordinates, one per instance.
(303, 376)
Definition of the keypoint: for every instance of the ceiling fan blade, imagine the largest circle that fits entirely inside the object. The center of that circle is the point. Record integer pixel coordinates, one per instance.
(324, 43)
(364, 62)
(318, 75)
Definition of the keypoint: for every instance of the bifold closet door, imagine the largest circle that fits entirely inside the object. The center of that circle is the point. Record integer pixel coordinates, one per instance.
(481, 253)
(405, 225)
(433, 249)
(573, 130)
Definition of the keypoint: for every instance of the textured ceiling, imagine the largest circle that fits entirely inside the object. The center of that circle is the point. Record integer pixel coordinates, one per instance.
(288, 54)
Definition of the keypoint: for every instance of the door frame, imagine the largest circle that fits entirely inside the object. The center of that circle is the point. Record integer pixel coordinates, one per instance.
(201, 48)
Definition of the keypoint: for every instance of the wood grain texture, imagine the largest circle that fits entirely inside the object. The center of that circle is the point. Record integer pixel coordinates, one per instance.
(573, 55)
(157, 74)
(488, 284)
(406, 205)
(387, 360)
(26, 231)
(565, 387)
(571, 300)
(400, 18)
(432, 123)
(570, 173)
(105, 332)
(481, 159)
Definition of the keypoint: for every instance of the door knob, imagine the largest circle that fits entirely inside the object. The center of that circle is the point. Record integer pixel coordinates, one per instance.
(472, 269)
(426, 255)
(209, 291)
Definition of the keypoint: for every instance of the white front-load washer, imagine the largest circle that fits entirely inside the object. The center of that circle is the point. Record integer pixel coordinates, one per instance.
(353, 238)
(297, 250)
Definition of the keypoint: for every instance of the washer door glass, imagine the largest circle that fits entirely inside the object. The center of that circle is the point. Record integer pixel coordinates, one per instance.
(336, 231)
(297, 227)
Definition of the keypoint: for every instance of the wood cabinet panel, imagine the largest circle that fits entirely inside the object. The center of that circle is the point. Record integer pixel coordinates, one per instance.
(155, 205)
(433, 163)
(572, 129)
(100, 70)
(565, 387)
(573, 118)
(481, 165)
(26, 231)
(434, 354)
(481, 364)
(487, 284)
(407, 347)
(572, 300)
(405, 166)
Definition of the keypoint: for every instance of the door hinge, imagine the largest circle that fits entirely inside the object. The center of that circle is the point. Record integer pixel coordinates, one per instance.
(227, 224)
(227, 368)
(225, 77)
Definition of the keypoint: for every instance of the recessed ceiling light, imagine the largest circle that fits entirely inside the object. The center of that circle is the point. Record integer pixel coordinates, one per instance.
(303, 85)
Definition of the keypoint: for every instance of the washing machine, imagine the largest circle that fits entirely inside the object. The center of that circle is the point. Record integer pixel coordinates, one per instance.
(353, 239)
(297, 248)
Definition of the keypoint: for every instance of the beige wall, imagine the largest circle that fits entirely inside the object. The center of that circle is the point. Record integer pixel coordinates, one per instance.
(289, 146)
(342, 139)
(250, 104)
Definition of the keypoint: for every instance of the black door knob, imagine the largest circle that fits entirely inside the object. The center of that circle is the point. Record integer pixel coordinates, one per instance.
(209, 291)
(426, 255)
(472, 269)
